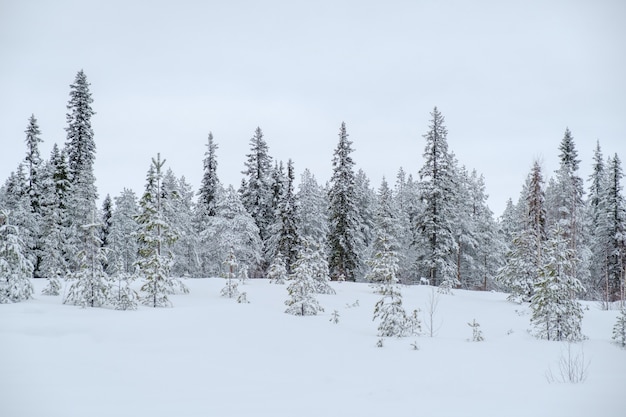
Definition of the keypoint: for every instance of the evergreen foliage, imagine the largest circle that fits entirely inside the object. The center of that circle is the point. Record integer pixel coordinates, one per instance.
(230, 272)
(301, 289)
(435, 222)
(277, 273)
(15, 269)
(619, 330)
(556, 314)
(155, 239)
(89, 284)
(256, 188)
(344, 225)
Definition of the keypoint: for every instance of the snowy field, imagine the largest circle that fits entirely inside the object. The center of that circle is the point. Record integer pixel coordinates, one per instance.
(209, 356)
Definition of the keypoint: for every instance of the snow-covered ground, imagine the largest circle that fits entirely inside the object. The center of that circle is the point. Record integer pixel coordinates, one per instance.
(209, 356)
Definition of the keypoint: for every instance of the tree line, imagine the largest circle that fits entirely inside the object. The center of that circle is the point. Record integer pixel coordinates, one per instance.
(555, 243)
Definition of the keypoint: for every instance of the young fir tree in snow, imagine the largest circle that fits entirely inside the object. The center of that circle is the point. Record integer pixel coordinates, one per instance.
(344, 226)
(318, 266)
(90, 285)
(619, 330)
(524, 260)
(556, 314)
(301, 289)
(394, 321)
(123, 296)
(15, 269)
(231, 266)
(435, 223)
(256, 188)
(277, 273)
(597, 181)
(155, 239)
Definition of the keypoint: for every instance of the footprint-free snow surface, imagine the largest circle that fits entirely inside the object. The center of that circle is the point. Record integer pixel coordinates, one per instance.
(210, 356)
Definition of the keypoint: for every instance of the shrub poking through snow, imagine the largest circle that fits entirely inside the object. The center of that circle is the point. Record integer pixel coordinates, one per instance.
(619, 330)
(477, 334)
(334, 317)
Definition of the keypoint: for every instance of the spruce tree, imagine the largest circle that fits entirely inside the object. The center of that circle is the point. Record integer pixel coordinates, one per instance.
(207, 195)
(301, 289)
(435, 222)
(90, 285)
(524, 259)
(311, 210)
(344, 227)
(34, 163)
(277, 273)
(285, 236)
(56, 243)
(155, 239)
(256, 193)
(15, 269)
(123, 235)
(611, 232)
(619, 330)
(232, 228)
(81, 152)
(231, 267)
(556, 314)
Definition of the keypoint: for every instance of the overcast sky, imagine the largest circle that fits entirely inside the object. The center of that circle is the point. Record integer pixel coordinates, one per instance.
(509, 77)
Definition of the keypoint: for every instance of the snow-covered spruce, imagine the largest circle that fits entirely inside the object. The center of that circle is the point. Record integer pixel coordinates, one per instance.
(394, 321)
(301, 289)
(556, 314)
(155, 238)
(89, 285)
(619, 330)
(15, 269)
(277, 273)
(230, 267)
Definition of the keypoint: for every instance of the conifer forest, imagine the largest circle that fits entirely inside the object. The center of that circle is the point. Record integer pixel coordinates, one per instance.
(558, 248)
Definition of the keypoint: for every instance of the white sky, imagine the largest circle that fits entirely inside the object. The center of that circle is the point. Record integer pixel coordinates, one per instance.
(508, 76)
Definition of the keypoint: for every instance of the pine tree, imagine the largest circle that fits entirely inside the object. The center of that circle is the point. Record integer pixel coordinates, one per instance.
(256, 193)
(556, 315)
(155, 239)
(344, 227)
(90, 285)
(435, 222)
(15, 269)
(301, 289)
(107, 214)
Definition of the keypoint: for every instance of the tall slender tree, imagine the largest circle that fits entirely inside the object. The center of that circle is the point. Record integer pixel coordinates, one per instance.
(207, 195)
(256, 194)
(435, 222)
(344, 227)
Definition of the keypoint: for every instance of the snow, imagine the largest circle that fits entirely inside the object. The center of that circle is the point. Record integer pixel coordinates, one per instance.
(210, 356)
